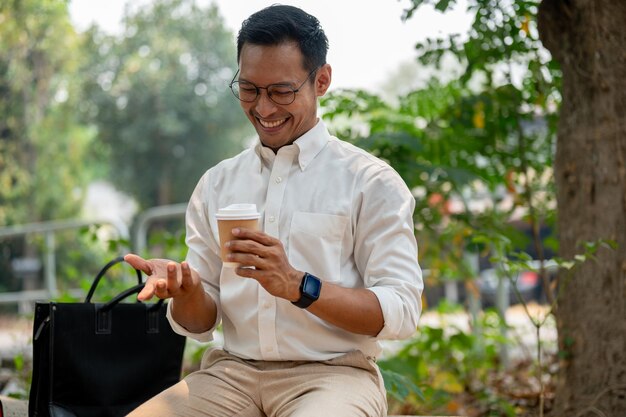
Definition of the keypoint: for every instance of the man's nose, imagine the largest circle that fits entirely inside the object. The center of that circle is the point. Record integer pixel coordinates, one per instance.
(264, 106)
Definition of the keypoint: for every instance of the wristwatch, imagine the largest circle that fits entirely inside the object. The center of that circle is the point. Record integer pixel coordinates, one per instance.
(310, 289)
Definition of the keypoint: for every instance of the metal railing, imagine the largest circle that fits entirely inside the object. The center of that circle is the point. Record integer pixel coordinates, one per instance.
(48, 230)
(140, 236)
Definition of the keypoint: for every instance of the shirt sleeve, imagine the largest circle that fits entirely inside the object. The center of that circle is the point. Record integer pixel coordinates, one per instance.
(386, 251)
(202, 256)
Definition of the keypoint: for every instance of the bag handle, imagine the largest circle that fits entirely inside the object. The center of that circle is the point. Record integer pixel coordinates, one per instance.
(103, 312)
(130, 291)
(103, 271)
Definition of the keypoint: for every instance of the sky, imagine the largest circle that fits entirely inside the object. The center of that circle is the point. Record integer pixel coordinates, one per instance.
(368, 39)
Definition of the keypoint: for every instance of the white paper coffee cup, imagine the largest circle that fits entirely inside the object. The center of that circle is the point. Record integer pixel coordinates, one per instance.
(235, 215)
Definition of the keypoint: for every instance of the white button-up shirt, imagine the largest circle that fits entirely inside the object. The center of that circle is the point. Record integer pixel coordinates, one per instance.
(342, 215)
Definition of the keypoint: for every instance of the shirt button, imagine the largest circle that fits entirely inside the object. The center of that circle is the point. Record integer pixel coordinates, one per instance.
(272, 219)
(266, 305)
(269, 349)
(278, 180)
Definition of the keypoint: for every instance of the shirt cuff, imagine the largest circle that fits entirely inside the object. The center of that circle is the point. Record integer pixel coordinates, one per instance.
(400, 319)
(200, 337)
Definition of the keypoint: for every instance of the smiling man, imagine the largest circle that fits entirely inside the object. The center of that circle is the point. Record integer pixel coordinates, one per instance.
(277, 116)
(331, 272)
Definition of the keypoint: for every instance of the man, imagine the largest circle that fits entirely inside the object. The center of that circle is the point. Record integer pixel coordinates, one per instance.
(333, 271)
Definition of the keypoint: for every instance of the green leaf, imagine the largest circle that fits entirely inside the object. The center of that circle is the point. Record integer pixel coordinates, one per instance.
(399, 386)
(19, 362)
(443, 5)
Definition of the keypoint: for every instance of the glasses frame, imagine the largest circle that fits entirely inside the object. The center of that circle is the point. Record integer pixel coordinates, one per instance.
(267, 88)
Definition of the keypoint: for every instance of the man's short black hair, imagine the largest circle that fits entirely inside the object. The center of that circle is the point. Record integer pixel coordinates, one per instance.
(278, 24)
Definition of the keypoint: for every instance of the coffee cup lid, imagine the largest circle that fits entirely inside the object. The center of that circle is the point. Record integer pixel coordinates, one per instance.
(238, 211)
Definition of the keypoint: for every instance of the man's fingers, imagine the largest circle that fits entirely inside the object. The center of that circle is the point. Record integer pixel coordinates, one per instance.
(172, 277)
(161, 289)
(146, 293)
(186, 280)
(138, 262)
(164, 279)
(256, 235)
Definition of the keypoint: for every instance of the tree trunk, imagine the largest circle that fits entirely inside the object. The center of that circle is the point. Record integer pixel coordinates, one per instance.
(588, 39)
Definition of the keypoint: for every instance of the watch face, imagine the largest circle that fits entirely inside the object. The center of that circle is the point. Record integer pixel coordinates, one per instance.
(312, 287)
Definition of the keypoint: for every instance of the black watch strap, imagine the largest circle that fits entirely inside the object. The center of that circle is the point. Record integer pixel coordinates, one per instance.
(310, 288)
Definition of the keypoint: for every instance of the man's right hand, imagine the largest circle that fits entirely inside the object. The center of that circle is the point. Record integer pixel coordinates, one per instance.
(166, 278)
(191, 306)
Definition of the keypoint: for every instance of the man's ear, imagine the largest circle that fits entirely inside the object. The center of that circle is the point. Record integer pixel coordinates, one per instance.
(322, 79)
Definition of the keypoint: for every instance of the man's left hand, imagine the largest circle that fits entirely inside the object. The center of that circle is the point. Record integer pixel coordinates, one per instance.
(267, 255)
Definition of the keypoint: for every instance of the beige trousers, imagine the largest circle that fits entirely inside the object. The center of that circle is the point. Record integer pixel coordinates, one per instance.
(227, 386)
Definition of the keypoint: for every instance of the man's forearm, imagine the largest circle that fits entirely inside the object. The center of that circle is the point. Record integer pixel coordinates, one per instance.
(356, 310)
(197, 314)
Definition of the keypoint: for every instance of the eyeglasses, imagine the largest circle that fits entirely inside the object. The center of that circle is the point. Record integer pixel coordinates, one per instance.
(282, 94)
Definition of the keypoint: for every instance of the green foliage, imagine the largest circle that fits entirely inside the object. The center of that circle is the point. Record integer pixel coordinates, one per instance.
(42, 145)
(477, 151)
(23, 373)
(45, 159)
(168, 243)
(400, 386)
(443, 362)
(159, 97)
(84, 253)
(510, 263)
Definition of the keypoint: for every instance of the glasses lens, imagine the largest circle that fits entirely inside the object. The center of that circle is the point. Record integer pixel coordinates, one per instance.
(278, 93)
(281, 94)
(244, 91)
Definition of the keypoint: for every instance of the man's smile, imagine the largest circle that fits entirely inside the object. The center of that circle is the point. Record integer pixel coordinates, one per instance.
(269, 124)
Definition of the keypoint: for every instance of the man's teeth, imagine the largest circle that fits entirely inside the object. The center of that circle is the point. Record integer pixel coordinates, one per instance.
(272, 123)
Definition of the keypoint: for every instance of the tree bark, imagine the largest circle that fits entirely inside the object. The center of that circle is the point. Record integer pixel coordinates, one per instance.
(588, 39)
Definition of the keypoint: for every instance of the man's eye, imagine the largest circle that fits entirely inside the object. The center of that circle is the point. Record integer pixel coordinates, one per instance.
(280, 90)
(247, 88)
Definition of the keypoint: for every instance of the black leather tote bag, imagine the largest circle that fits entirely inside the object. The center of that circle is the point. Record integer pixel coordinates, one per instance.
(101, 359)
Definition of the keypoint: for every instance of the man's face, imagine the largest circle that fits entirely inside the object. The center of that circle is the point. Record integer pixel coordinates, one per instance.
(279, 125)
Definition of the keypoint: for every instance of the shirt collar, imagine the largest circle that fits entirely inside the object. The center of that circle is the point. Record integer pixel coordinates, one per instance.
(266, 155)
(312, 143)
(308, 145)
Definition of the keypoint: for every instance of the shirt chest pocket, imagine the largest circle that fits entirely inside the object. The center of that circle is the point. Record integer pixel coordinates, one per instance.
(315, 243)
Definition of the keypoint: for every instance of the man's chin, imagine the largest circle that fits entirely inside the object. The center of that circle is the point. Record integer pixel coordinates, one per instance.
(272, 140)
(273, 143)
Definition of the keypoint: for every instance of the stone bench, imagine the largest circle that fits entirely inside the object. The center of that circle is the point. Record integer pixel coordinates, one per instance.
(10, 407)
